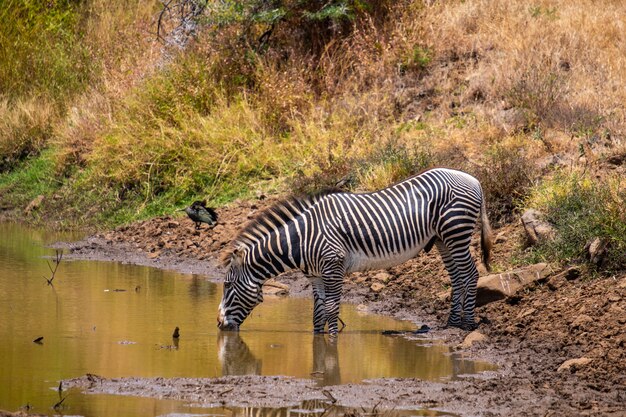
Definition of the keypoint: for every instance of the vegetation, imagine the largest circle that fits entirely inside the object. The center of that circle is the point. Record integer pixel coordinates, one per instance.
(117, 112)
(582, 208)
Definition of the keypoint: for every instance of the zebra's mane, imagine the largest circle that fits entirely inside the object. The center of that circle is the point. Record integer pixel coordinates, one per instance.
(273, 217)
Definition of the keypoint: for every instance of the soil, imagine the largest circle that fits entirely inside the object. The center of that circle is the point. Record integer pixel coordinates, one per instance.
(530, 335)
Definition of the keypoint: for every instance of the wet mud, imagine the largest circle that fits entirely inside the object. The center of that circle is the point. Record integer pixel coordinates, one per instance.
(531, 336)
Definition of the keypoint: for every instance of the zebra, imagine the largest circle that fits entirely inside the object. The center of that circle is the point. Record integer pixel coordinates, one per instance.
(331, 234)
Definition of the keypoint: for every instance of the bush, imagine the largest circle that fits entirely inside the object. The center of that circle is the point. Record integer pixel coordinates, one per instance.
(506, 173)
(40, 49)
(582, 207)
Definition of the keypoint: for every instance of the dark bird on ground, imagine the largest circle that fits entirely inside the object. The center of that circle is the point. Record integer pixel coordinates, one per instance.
(200, 213)
(176, 333)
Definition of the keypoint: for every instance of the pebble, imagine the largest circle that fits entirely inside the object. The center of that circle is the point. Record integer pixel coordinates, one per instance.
(472, 338)
(573, 363)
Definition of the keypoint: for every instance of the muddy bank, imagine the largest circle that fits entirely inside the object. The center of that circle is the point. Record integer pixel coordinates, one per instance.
(531, 336)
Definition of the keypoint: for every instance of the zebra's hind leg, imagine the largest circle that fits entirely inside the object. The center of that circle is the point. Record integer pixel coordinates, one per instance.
(456, 303)
(319, 305)
(467, 267)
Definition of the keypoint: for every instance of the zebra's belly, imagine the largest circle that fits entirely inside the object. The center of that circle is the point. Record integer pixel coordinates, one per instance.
(360, 261)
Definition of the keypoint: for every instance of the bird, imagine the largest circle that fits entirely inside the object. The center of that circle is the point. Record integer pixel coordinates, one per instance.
(200, 213)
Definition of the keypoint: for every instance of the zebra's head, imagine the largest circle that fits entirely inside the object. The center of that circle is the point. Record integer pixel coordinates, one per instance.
(241, 293)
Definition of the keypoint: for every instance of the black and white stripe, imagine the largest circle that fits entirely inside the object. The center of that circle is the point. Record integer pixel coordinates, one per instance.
(329, 235)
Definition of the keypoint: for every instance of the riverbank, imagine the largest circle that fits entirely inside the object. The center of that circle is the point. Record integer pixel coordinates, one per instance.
(531, 336)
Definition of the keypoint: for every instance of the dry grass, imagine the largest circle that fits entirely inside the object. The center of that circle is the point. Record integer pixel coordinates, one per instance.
(25, 126)
(492, 88)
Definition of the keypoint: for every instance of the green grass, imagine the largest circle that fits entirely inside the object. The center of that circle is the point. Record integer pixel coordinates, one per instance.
(34, 177)
(582, 207)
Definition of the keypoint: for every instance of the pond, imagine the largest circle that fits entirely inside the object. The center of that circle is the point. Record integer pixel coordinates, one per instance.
(117, 320)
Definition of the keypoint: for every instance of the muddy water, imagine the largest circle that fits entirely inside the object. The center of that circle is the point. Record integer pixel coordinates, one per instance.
(116, 320)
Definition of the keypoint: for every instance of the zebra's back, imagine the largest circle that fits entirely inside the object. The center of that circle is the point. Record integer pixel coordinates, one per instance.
(385, 228)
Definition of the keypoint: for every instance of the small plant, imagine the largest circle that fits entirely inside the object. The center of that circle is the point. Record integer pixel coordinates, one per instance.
(415, 60)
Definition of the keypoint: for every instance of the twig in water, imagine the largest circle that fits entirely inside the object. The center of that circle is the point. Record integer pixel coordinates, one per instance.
(57, 261)
(57, 406)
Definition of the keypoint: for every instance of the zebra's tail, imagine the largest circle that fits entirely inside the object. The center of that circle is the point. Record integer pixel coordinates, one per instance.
(485, 235)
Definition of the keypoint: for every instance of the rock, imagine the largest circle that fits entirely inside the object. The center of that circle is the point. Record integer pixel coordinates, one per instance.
(526, 313)
(34, 205)
(472, 338)
(537, 229)
(596, 250)
(362, 308)
(383, 277)
(556, 282)
(581, 321)
(573, 364)
(377, 286)
(501, 238)
(359, 278)
(572, 273)
(500, 286)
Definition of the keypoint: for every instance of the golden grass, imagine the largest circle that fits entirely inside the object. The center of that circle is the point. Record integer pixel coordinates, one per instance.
(25, 125)
(475, 85)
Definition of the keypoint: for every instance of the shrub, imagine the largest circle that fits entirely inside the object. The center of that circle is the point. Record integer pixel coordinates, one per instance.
(506, 173)
(40, 49)
(582, 207)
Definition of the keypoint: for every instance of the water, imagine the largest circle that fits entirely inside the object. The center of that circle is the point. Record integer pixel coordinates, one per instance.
(116, 320)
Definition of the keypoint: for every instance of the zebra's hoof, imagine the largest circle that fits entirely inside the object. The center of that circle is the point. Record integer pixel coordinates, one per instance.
(469, 326)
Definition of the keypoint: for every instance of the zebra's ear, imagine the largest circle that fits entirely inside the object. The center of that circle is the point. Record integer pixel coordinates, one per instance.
(236, 258)
(232, 256)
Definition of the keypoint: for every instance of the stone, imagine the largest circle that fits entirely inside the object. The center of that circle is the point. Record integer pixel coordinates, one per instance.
(473, 337)
(573, 364)
(526, 313)
(377, 286)
(383, 277)
(362, 308)
(596, 250)
(34, 205)
(572, 273)
(500, 286)
(537, 229)
(581, 321)
(502, 237)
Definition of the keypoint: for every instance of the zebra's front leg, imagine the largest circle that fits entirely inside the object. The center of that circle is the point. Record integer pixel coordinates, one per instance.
(319, 305)
(333, 299)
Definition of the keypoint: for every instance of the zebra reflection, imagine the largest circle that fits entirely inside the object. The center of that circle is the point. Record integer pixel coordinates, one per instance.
(235, 356)
(326, 360)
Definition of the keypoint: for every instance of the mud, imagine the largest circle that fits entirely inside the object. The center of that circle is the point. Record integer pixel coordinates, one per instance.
(529, 336)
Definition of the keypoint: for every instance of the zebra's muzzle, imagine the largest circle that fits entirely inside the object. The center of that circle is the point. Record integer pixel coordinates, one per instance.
(224, 325)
